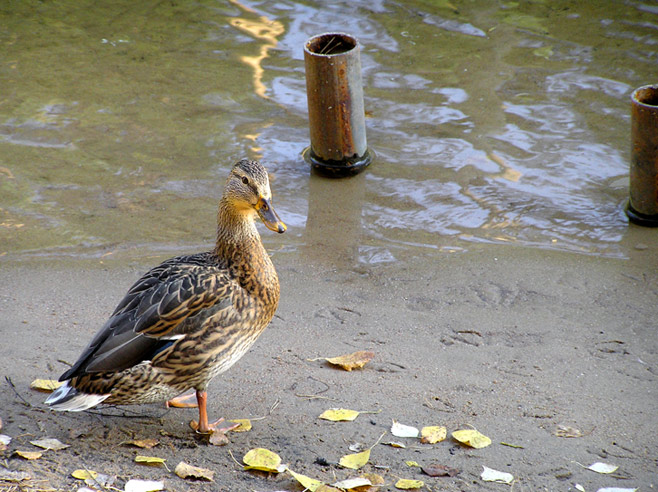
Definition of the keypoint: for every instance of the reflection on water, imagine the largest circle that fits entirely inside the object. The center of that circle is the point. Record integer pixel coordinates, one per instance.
(503, 123)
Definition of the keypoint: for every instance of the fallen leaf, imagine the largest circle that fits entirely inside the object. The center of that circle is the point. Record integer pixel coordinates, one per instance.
(13, 476)
(412, 463)
(134, 485)
(183, 470)
(4, 441)
(566, 431)
(339, 415)
(356, 460)
(401, 430)
(374, 478)
(433, 434)
(149, 460)
(218, 438)
(490, 475)
(327, 488)
(615, 489)
(605, 468)
(264, 460)
(471, 438)
(395, 444)
(307, 482)
(143, 443)
(355, 360)
(50, 443)
(406, 484)
(101, 480)
(0, 424)
(45, 385)
(579, 487)
(84, 474)
(29, 455)
(352, 483)
(439, 471)
(245, 425)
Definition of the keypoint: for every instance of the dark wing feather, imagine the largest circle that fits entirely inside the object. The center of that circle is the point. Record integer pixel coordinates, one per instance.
(152, 314)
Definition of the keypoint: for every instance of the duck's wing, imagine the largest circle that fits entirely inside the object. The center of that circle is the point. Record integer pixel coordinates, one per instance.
(159, 308)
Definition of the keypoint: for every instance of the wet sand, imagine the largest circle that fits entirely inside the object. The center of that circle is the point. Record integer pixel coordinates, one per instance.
(511, 341)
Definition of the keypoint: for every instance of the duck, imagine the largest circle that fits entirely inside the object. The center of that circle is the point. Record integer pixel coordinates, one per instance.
(188, 319)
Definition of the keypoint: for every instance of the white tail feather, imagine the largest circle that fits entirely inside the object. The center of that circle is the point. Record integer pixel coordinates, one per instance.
(66, 398)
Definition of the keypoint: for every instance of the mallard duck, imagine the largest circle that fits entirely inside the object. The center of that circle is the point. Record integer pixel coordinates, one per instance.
(188, 319)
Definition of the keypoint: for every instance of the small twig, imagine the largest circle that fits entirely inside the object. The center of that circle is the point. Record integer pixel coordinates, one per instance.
(13, 387)
(316, 397)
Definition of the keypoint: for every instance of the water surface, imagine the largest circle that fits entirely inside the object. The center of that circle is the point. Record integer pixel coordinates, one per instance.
(492, 122)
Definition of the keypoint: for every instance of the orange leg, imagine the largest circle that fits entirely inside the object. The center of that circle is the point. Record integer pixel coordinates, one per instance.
(203, 427)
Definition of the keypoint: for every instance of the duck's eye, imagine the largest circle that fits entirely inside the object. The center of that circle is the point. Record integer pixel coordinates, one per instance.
(245, 180)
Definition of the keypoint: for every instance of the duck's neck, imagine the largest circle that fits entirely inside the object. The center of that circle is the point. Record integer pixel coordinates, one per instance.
(239, 245)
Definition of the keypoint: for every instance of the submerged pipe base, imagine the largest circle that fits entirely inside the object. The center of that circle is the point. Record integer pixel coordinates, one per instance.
(639, 218)
(337, 169)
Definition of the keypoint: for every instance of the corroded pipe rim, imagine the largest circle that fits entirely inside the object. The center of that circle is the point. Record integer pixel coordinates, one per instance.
(640, 95)
(336, 50)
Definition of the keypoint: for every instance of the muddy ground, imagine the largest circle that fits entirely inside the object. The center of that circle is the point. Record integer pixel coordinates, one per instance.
(511, 341)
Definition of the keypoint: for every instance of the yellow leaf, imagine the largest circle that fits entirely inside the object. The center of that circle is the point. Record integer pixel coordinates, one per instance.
(307, 482)
(433, 434)
(355, 360)
(356, 460)
(406, 484)
(84, 474)
(374, 478)
(29, 455)
(149, 460)
(339, 414)
(183, 470)
(245, 425)
(412, 463)
(45, 385)
(471, 438)
(264, 460)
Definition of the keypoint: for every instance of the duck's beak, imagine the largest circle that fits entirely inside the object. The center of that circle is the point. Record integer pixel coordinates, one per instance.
(269, 216)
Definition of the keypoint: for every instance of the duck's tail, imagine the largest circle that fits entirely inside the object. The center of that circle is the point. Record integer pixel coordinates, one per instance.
(67, 398)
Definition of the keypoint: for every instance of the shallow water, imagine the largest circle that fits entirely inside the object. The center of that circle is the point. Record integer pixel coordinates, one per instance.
(501, 122)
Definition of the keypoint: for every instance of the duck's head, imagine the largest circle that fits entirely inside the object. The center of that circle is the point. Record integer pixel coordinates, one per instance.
(248, 190)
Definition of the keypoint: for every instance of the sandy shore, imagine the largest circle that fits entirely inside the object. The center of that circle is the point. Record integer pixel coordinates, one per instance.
(511, 341)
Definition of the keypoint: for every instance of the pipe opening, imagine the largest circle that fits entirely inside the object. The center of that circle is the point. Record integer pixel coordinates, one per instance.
(330, 44)
(647, 95)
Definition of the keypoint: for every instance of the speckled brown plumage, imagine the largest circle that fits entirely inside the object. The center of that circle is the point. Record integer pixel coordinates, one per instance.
(191, 317)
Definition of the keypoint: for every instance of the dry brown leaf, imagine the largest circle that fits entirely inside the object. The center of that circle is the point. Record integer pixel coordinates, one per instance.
(439, 471)
(143, 443)
(29, 455)
(351, 361)
(327, 488)
(183, 470)
(218, 438)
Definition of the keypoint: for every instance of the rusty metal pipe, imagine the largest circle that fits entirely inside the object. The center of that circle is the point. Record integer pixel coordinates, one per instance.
(642, 207)
(335, 106)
